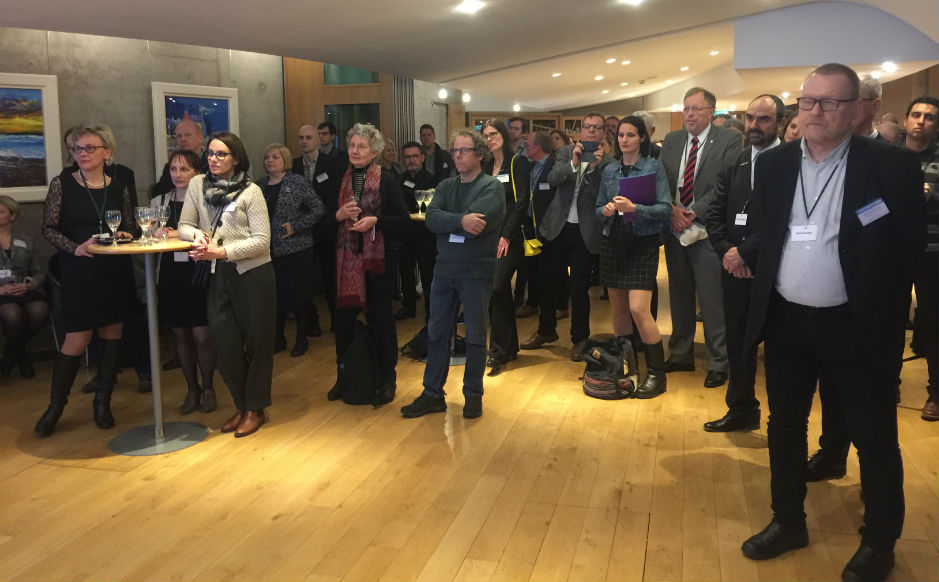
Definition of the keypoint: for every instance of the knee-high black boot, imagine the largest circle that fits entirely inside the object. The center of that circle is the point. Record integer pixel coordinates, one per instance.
(110, 350)
(63, 376)
(654, 384)
(629, 355)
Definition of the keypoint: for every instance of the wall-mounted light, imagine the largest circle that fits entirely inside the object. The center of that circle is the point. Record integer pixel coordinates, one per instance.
(516, 108)
(442, 93)
(889, 66)
(466, 97)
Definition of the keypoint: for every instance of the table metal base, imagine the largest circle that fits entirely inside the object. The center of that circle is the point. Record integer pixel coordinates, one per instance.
(141, 442)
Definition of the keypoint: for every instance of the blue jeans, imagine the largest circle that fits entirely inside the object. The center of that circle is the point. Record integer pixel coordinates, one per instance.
(446, 296)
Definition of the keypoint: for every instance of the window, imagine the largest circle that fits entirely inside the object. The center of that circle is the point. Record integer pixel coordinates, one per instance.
(345, 116)
(339, 75)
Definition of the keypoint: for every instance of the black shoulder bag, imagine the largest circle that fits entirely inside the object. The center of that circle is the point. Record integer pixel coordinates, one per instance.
(203, 269)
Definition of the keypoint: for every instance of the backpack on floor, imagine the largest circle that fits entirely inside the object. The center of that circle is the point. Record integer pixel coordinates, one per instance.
(417, 347)
(360, 375)
(606, 376)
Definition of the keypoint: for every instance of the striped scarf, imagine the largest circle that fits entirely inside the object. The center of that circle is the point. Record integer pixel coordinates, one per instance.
(358, 253)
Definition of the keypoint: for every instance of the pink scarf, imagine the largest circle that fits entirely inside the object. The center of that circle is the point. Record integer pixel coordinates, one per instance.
(355, 258)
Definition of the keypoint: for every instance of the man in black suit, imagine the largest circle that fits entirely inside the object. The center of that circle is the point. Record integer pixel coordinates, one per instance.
(324, 171)
(437, 160)
(692, 158)
(728, 230)
(839, 221)
(419, 249)
(542, 193)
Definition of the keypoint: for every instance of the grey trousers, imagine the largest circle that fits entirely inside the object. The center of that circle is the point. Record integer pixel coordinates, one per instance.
(242, 320)
(695, 270)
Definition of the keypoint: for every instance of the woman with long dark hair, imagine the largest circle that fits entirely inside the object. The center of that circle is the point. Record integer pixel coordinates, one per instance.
(629, 250)
(514, 171)
(226, 218)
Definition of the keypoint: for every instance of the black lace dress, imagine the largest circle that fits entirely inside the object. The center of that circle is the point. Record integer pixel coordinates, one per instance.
(181, 304)
(96, 291)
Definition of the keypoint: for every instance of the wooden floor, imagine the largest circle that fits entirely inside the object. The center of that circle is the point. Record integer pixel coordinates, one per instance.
(547, 485)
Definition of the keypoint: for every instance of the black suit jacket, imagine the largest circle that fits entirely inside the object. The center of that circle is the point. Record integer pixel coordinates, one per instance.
(877, 260)
(542, 193)
(333, 165)
(732, 193)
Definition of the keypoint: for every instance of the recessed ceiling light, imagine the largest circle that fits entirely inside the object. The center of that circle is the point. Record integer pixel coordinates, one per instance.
(605, 91)
(630, 94)
(875, 74)
(626, 62)
(784, 94)
(442, 93)
(610, 61)
(669, 82)
(555, 74)
(715, 53)
(466, 97)
(683, 69)
(516, 108)
(676, 106)
(469, 6)
(624, 83)
(598, 78)
(631, 2)
(889, 66)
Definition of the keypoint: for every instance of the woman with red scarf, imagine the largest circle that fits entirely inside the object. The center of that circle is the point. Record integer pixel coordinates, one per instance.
(372, 218)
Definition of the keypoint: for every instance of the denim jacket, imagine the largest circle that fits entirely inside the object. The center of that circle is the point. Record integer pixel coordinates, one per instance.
(650, 219)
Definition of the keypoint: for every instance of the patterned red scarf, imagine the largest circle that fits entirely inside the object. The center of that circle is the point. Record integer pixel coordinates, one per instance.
(357, 252)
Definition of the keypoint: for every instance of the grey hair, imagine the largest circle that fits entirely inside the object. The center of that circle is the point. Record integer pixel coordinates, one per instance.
(542, 140)
(646, 118)
(101, 130)
(479, 144)
(870, 88)
(376, 141)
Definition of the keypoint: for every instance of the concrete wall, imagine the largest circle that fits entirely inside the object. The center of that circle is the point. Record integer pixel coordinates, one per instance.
(107, 80)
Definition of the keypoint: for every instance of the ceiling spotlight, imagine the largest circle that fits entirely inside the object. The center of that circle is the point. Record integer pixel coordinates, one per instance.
(516, 108)
(442, 93)
(624, 83)
(598, 78)
(555, 75)
(469, 6)
(630, 94)
(466, 97)
(605, 91)
(631, 2)
(669, 82)
(889, 66)
(784, 94)
(683, 69)
(610, 61)
(676, 107)
(715, 53)
(626, 62)
(875, 74)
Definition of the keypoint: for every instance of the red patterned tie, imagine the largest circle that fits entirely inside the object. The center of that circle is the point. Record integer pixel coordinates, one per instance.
(686, 194)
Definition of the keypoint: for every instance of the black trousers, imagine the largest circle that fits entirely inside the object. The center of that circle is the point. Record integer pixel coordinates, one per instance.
(417, 251)
(567, 250)
(804, 345)
(926, 320)
(325, 249)
(527, 277)
(740, 393)
(503, 332)
(379, 293)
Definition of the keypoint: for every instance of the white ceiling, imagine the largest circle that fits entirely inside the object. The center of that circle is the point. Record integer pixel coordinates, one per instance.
(507, 50)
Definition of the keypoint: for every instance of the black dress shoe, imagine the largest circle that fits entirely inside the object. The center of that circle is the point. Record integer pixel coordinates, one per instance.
(404, 314)
(822, 466)
(495, 366)
(775, 540)
(300, 347)
(335, 393)
(715, 379)
(868, 564)
(735, 420)
(671, 366)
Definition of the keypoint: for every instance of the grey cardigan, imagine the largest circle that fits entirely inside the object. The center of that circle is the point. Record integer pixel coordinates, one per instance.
(23, 261)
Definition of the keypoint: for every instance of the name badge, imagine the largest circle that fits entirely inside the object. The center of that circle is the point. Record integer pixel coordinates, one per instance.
(19, 243)
(445, 165)
(740, 219)
(322, 178)
(230, 207)
(8, 273)
(504, 178)
(408, 184)
(544, 186)
(181, 257)
(871, 212)
(457, 238)
(803, 233)
(212, 270)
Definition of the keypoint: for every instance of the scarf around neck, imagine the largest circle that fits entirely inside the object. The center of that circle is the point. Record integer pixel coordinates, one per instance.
(218, 191)
(358, 253)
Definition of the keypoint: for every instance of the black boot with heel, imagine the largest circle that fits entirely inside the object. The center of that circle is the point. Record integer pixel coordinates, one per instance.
(63, 376)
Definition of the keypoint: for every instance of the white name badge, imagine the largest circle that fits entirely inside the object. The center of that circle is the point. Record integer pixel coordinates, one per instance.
(8, 273)
(230, 207)
(803, 233)
(457, 238)
(504, 178)
(322, 178)
(445, 165)
(740, 219)
(181, 257)
(544, 186)
(19, 243)
(408, 184)
(871, 212)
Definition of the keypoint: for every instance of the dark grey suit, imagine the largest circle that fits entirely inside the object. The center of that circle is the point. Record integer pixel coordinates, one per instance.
(696, 269)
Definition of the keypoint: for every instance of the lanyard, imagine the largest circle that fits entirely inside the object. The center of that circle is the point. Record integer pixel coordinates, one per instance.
(104, 202)
(808, 213)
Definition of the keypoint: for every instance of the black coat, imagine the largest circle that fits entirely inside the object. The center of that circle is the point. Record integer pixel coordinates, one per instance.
(732, 195)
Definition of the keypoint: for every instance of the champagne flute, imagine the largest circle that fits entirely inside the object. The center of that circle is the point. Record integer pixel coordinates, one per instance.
(422, 203)
(429, 196)
(113, 220)
(163, 215)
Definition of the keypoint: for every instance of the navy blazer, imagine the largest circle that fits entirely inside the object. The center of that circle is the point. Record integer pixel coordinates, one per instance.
(732, 196)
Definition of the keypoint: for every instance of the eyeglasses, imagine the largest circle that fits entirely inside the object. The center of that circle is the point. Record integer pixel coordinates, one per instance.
(217, 155)
(412, 156)
(491, 136)
(88, 149)
(465, 151)
(808, 103)
(696, 109)
(592, 126)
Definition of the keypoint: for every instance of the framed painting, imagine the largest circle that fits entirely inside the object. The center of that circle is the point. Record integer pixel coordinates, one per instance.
(211, 109)
(30, 137)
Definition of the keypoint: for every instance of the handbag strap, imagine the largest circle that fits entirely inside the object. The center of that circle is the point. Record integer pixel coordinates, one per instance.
(515, 194)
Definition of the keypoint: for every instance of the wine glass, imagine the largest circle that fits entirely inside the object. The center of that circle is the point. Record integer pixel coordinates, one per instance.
(113, 220)
(421, 199)
(145, 218)
(163, 215)
(429, 195)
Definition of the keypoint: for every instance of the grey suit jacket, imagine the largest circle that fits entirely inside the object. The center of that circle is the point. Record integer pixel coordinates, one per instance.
(562, 178)
(23, 261)
(719, 143)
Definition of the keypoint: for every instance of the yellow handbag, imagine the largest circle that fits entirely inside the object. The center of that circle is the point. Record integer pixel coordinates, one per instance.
(532, 245)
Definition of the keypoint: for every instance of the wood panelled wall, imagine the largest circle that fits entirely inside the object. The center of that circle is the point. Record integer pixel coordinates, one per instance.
(306, 98)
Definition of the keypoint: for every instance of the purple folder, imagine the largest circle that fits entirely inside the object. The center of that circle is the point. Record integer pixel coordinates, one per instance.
(639, 189)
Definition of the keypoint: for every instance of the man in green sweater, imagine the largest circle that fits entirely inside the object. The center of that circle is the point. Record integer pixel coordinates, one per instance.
(466, 214)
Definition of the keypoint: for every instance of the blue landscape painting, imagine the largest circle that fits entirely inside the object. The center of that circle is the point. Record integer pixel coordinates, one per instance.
(22, 141)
